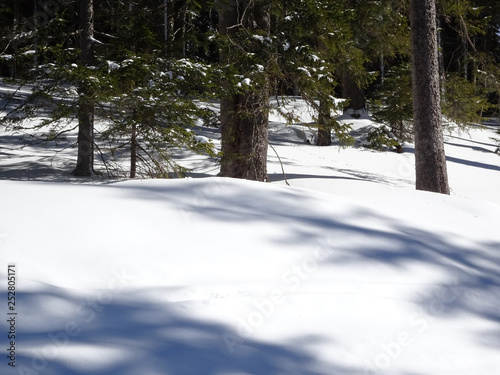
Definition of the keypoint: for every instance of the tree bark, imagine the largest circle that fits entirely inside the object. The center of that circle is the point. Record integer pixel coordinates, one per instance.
(133, 151)
(324, 118)
(430, 159)
(85, 160)
(244, 117)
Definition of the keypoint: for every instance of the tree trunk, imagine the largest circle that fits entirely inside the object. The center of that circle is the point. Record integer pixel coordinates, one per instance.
(133, 151)
(382, 69)
(85, 160)
(165, 20)
(442, 73)
(430, 159)
(244, 117)
(324, 130)
(352, 91)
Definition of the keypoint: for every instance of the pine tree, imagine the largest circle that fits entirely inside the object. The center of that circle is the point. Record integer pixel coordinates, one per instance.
(119, 75)
(85, 160)
(245, 102)
(380, 33)
(467, 67)
(151, 89)
(430, 160)
(464, 66)
(314, 46)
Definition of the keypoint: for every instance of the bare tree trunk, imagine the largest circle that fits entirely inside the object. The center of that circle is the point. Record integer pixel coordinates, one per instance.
(440, 50)
(244, 117)
(382, 68)
(133, 151)
(85, 160)
(165, 21)
(430, 159)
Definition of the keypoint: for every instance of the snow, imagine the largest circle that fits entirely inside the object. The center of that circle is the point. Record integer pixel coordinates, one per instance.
(96, 41)
(202, 139)
(244, 82)
(112, 65)
(347, 271)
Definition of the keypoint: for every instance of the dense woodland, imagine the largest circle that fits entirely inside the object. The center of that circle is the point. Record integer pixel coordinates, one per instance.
(134, 72)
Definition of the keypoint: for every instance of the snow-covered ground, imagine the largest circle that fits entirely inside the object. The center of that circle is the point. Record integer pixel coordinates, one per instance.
(347, 271)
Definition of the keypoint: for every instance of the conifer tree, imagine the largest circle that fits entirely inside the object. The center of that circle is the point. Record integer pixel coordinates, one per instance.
(244, 106)
(118, 74)
(380, 32)
(314, 46)
(430, 160)
(85, 160)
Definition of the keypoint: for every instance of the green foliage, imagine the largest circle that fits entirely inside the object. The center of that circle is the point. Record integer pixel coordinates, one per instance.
(497, 140)
(465, 16)
(342, 132)
(313, 47)
(380, 28)
(392, 104)
(463, 101)
(470, 72)
(382, 139)
(488, 82)
(141, 98)
(247, 65)
(149, 106)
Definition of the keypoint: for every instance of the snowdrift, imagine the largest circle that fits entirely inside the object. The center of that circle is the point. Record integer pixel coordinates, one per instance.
(217, 276)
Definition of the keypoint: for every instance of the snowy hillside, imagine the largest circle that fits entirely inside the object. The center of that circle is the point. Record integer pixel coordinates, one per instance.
(347, 271)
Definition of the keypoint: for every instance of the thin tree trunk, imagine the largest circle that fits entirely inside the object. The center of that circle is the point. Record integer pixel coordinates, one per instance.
(440, 50)
(184, 29)
(15, 42)
(133, 151)
(165, 20)
(35, 40)
(85, 160)
(382, 69)
(430, 159)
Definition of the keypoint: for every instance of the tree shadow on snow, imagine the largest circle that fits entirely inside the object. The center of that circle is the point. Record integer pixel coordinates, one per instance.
(133, 335)
(473, 163)
(127, 334)
(472, 285)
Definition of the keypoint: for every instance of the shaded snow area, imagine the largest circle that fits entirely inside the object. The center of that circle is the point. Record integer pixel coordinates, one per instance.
(347, 271)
